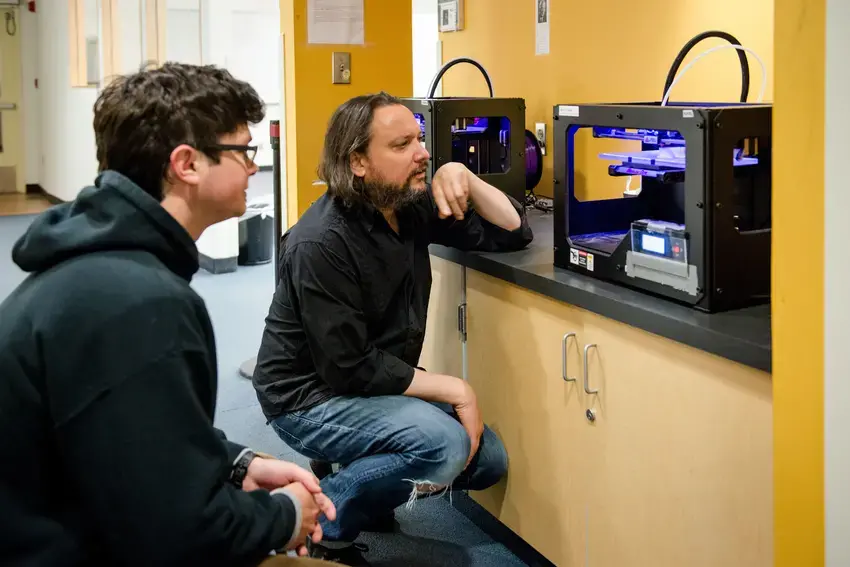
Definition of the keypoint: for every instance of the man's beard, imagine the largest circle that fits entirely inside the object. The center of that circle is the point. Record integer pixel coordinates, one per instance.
(391, 196)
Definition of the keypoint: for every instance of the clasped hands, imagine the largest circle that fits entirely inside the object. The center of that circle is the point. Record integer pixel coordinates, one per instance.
(266, 473)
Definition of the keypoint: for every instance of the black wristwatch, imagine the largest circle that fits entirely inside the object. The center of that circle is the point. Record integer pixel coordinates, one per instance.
(240, 467)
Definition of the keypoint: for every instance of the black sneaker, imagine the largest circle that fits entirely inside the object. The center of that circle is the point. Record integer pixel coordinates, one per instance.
(383, 524)
(321, 468)
(351, 555)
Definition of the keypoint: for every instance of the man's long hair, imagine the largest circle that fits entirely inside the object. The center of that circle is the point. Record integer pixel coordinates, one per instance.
(349, 131)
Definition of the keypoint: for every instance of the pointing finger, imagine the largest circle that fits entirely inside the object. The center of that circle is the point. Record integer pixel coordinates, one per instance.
(327, 507)
(452, 199)
(440, 200)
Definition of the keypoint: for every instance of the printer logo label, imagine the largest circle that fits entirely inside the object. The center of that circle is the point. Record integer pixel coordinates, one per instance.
(582, 259)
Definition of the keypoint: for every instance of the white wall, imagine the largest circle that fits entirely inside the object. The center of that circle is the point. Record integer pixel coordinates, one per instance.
(427, 53)
(66, 153)
(837, 286)
(244, 38)
(130, 30)
(183, 31)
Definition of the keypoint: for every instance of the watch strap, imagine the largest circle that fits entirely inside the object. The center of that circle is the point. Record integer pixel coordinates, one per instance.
(240, 467)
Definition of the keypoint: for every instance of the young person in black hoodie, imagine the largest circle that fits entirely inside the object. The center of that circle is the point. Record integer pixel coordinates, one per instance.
(107, 355)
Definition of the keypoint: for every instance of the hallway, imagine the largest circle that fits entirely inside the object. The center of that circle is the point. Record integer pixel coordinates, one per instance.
(18, 204)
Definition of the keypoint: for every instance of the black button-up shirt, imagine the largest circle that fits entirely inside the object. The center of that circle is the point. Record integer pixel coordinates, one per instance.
(348, 316)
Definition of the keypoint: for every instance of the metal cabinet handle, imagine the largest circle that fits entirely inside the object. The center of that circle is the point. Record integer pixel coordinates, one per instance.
(586, 379)
(564, 357)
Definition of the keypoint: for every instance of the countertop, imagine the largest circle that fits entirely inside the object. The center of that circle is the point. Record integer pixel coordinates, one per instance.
(742, 335)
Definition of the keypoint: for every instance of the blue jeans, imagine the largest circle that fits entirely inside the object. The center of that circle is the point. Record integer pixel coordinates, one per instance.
(390, 449)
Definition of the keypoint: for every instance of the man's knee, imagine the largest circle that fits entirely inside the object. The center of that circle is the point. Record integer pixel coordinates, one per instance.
(441, 450)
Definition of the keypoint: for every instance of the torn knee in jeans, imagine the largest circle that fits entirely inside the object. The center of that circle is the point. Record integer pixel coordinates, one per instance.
(425, 488)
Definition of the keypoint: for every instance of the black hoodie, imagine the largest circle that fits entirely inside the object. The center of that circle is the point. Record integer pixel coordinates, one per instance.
(107, 393)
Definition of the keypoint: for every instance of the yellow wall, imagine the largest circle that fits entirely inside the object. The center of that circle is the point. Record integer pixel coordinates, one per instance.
(605, 51)
(599, 56)
(383, 63)
(798, 324)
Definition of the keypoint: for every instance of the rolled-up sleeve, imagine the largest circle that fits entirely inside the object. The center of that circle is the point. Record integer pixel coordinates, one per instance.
(326, 288)
(475, 233)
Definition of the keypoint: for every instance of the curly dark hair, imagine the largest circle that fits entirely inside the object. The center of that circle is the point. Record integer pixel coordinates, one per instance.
(140, 118)
(349, 131)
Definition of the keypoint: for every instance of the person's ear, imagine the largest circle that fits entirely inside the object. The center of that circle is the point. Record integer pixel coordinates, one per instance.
(358, 162)
(184, 164)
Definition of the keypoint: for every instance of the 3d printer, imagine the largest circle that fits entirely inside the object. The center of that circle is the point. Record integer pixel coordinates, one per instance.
(673, 199)
(488, 135)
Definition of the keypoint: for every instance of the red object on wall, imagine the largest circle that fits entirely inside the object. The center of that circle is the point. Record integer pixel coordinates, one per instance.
(31, 5)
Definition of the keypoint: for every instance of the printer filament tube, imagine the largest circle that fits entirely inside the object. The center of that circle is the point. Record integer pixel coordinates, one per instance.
(745, 67)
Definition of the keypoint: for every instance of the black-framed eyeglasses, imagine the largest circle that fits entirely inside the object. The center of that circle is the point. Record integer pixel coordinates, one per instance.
(248, 152)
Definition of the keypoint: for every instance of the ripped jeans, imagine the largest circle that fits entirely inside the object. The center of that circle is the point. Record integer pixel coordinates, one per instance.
(390, 449)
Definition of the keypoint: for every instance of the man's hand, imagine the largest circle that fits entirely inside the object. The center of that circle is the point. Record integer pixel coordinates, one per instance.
(450, 187)
(470, 417)
(312, 505)
(455, 392)
(272, 473)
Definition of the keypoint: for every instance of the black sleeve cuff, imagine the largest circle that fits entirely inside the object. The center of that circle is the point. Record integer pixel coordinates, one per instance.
(394, 378)
(292, 516)
(234, 450)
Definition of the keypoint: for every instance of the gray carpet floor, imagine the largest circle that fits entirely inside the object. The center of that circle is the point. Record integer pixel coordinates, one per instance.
(433, 534)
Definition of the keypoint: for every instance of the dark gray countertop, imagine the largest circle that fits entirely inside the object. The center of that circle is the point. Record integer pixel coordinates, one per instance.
(742, 335)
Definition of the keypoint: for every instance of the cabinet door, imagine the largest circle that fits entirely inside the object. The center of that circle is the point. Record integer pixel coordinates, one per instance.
(514, 345)
(442, 351)
(681, 453)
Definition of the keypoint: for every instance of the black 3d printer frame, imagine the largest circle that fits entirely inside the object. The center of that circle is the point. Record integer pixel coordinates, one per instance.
(440, 113)
(733, 268)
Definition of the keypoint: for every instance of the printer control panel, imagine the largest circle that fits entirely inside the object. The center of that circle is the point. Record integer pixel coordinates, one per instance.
(660, 239)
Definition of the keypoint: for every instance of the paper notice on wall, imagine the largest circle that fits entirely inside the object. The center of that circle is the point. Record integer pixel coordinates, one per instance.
(541, 46)
(335, 21)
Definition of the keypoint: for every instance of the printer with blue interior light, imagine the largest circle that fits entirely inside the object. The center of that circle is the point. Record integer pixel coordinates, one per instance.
(673, 199)
(487, 134)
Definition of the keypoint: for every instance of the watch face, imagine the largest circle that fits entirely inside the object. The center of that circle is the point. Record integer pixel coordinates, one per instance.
(240, 468)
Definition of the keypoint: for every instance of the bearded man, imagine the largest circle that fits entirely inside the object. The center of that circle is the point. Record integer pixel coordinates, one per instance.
(337, 372)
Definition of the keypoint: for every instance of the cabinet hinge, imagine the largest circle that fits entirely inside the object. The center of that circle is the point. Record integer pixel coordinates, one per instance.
(461, 320)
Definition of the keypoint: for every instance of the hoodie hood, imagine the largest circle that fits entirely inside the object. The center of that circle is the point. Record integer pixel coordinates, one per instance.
(113, 215)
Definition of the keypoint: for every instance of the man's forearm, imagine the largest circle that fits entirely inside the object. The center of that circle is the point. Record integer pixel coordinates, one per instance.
(436, 388)
(492, 204)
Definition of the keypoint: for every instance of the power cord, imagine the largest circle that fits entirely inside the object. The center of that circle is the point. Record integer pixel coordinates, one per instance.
(540, 203)
(680, 57)
(432, 88)
(712, 50)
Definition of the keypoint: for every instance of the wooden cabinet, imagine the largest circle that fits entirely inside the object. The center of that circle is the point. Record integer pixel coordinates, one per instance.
(442, 351)
(671, 467)
(515, 352)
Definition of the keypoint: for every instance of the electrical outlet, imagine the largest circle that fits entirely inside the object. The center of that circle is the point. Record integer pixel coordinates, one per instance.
(540, 132)
(341, 68)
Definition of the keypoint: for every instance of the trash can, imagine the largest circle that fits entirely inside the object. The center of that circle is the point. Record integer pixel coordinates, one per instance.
(256, 232)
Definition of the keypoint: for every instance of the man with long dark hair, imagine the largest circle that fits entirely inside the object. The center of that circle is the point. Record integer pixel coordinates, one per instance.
(108, 374)
(337, 369)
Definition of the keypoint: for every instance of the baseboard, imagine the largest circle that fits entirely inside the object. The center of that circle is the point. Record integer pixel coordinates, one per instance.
(217, 265)
(490, 525)
(36, 189)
